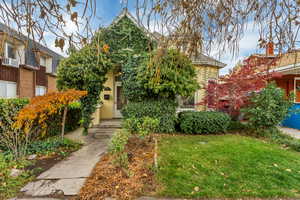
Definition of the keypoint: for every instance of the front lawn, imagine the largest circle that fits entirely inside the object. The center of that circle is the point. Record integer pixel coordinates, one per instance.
(226, 166)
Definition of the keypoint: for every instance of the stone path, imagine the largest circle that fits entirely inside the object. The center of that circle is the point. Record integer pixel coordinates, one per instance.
(68, 176)
(290, 131)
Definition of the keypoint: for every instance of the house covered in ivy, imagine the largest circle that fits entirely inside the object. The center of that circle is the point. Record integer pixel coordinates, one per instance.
(126, 39)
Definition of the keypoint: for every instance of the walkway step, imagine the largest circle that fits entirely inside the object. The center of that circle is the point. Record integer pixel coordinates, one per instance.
(68, 176)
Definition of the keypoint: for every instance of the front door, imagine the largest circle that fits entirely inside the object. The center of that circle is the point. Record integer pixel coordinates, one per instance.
(119, 100)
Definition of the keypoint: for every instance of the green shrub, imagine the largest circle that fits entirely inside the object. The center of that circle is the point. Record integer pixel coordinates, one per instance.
(236, 126)
(72, 121)
(147, 126)
(121, 160)
(163, 109)
(10, 138)
(118, 141)
(116, 147)
(9, 108)
(50, 145)
(268, 107)
(168, 73)
(203, 122)
(131, 124)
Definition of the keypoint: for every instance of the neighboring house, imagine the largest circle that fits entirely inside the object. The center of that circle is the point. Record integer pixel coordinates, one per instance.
(288, 65)
(27, 68)
(207, 68)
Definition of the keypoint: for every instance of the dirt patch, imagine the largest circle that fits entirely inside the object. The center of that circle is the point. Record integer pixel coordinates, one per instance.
(44, 163)
(107, 180)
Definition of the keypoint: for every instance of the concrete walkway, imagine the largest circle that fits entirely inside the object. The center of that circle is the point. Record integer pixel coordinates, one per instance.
(290, 131)
(68, 176)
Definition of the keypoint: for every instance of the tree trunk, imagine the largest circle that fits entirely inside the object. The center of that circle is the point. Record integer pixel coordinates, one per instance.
(64, 122)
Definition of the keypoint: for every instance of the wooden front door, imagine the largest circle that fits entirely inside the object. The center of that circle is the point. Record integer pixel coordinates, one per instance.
(119, 100)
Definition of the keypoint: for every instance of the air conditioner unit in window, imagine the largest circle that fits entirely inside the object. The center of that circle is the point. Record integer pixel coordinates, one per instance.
(10, 62)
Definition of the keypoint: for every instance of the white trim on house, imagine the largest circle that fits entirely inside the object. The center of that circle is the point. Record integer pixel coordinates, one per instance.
(288, 68)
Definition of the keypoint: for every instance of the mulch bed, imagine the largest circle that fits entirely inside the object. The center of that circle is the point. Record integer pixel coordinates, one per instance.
(107, 180)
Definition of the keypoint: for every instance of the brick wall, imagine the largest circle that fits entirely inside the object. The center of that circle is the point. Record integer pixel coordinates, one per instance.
(51, 83)
(27, 83)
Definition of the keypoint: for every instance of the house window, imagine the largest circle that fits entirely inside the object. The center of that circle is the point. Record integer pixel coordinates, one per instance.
(8, 89)
(187, 102)
(10, 51)
(40, 90)
(43, 61)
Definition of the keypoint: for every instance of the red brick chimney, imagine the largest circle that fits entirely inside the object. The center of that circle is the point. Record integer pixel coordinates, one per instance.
(270, 49)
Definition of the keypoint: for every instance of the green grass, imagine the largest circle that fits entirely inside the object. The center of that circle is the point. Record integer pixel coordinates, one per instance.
(230, 166)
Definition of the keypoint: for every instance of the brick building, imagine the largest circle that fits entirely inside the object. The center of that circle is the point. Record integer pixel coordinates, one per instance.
(27, 68)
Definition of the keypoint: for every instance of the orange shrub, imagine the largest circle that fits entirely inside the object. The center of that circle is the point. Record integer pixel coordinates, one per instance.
(41, 108)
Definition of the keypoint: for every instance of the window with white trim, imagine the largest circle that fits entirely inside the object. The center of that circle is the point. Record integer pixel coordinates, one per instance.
(43, 61)
(8, 89)
(10, 51)
(187, 102)
(40, 90)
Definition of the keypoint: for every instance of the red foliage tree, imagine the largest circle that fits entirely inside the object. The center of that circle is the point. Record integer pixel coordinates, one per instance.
(231, 92)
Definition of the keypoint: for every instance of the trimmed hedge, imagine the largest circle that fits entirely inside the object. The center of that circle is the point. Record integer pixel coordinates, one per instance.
(203, 122)
(163, 109)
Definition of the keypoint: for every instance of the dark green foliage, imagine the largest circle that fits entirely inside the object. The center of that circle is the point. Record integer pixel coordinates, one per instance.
(85, 70)
(50, 145)
(236, 126)
(124, 35)
(203, 122)
(72, 121)
(128, 48)
(163, 109)
(168, 73)
(268, 107)
(132, 88)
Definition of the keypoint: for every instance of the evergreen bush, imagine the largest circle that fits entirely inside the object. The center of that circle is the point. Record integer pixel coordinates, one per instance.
(203, 122)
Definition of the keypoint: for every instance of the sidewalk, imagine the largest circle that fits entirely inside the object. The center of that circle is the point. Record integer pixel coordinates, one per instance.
(290, 131)
(66, 178)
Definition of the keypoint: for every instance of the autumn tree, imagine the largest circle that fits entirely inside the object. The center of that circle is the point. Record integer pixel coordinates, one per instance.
(40, 108)
(232, 92)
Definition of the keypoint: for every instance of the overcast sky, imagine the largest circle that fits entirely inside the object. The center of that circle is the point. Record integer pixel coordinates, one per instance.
(107, 10)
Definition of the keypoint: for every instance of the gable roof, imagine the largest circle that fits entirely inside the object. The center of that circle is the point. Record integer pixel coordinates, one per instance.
(126, 13)
(201, 59)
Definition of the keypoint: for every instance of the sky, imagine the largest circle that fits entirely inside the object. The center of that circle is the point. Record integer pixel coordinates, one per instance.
(107, 10)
